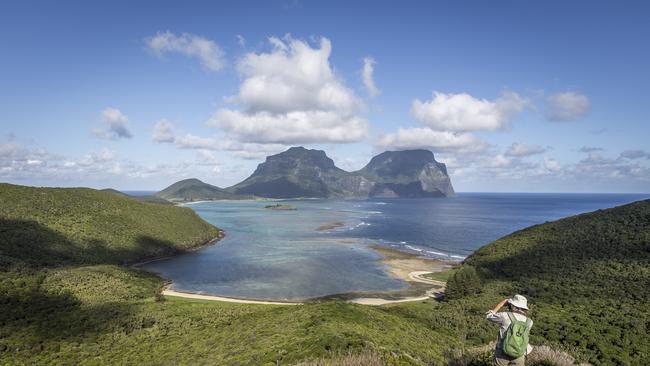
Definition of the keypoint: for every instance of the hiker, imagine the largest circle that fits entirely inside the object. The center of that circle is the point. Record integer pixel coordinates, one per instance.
(514, 326)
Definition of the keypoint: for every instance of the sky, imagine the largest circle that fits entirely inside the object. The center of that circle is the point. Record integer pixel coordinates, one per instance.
(514, 96)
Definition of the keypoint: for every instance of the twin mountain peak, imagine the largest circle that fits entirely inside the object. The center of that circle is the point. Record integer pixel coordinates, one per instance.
(300, 172)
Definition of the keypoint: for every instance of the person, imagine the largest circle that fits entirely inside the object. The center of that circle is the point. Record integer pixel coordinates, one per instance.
(516, 312)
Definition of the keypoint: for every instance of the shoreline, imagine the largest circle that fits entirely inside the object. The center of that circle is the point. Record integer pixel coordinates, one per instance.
(166, 291)
(399, 263)
(405, 266)
(215, 240)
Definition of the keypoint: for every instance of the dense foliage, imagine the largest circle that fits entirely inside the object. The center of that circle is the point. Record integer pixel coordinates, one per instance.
(55, 226)
(189, 190)
(587, 276)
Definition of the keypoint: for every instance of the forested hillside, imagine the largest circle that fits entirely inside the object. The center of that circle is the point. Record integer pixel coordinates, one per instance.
(587, 276)
(56, 226)
(64, 301)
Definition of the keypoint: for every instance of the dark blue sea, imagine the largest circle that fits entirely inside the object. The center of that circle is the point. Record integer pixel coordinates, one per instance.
(282, 255)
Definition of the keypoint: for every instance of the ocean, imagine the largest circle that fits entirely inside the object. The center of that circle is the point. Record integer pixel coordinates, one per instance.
(323, 247)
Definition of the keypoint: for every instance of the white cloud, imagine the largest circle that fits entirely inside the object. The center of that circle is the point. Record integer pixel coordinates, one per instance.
(292, 127)
(94, 158)
(551, 165)
(520, 150)
(425, 138)
(208, 52)
(368, 78)
(568, 106)
(163, 131)
(291, 95)
(115, 125)
(462, 112)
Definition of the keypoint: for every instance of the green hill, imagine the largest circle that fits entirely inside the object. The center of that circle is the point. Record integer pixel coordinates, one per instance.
(56, 226)
(150, 199)
(192, 189)
(588, 277)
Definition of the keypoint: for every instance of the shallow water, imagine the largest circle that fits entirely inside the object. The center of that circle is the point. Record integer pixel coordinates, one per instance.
(279, 255)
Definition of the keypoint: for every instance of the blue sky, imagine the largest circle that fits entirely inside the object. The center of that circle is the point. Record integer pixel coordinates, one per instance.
(512, 95)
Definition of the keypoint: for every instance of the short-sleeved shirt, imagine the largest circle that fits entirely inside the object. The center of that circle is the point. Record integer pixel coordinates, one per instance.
(504, 323)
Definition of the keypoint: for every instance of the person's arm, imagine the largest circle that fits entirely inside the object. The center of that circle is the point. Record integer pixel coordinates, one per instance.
(493, 315)
(499, 305)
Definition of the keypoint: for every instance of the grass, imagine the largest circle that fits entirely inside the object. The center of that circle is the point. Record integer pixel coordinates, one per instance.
(79, 320)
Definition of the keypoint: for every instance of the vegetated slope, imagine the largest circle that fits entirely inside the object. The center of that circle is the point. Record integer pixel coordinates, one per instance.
(192, 189)
(587, 276)
(58, 226)
(150, 199)
(107, 314)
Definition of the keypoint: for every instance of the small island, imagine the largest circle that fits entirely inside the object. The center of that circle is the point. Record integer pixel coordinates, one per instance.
(281, 207)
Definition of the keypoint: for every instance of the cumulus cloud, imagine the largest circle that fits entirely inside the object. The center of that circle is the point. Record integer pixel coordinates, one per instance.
(568, 106)
(448, 119)
(115, 125)
(463, 112)
(367, 76)
(291, 95)
(425, 138)
(520, 150)
(206, 51)
(291, 128)
(163, 131)
(21, 164)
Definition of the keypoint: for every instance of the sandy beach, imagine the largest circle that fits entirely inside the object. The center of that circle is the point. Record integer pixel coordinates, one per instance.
(167, 292)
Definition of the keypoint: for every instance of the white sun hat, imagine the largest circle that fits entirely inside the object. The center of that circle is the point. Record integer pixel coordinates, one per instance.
(519, 301)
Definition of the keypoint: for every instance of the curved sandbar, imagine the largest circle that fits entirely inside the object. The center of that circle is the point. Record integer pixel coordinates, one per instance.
(187, 295)
(415, 276)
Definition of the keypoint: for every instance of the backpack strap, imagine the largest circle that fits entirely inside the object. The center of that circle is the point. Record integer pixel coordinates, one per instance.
(511, 316)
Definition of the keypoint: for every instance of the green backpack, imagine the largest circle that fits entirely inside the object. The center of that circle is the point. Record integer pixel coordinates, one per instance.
(515, 341)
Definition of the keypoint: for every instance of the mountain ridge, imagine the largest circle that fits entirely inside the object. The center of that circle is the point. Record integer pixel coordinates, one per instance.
(309, 173)
(300, 172)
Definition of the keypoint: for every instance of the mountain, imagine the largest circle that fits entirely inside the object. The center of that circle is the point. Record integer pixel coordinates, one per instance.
(195, 190)
(409, 173)
(299, 172)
